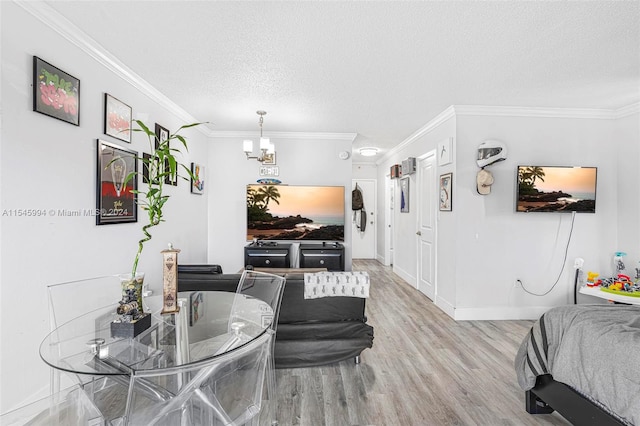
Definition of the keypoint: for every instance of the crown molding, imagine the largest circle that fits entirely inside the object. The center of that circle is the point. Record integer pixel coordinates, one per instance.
(54, 20)
(542, 112)
(232, 134)
(627, 111)
(438, 120)
(507, 111)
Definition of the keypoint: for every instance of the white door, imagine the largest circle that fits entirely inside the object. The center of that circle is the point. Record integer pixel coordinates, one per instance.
(426, 232)
(390, 190)
(364, 243)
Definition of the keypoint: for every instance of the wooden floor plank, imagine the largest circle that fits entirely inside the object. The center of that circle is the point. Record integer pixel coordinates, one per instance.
(424, 369)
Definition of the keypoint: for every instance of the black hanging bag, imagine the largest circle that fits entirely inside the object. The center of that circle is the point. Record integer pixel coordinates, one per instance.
(356, 199)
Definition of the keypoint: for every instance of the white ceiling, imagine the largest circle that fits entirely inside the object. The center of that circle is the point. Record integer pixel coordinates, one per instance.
(378, 69)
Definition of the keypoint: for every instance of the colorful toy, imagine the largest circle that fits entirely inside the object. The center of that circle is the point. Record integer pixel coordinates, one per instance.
(621, 284)
(591, 279)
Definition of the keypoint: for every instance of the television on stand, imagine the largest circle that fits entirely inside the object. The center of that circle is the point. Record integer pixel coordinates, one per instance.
(557, 189)
(295, 212)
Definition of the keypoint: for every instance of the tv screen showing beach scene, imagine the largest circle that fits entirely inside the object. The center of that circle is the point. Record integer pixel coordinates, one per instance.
(283, 212)
(556, 189)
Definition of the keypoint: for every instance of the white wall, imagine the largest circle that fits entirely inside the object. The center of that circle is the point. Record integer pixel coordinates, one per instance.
(627, 136)
(484, 246)
(364, 171)
(495, 246)
(300, 163)
(49, 164)
(405, 224)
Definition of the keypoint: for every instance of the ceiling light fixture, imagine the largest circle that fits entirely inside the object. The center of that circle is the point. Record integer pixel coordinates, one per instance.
(368, 151)
(266, 147)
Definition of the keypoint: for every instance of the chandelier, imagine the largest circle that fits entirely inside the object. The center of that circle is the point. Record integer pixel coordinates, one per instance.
(266, 147)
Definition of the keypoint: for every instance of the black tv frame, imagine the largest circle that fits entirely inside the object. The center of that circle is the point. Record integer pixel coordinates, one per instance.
(517, 188)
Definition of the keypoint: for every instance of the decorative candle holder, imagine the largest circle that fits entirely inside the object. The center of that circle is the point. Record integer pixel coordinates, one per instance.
(170, 280)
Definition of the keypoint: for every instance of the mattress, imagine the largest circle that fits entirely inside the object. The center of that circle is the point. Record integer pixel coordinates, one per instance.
(594, 349)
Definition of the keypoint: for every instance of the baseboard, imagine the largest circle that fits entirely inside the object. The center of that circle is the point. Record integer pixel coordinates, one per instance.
(445, 306)
(499, 313)
(411, 280)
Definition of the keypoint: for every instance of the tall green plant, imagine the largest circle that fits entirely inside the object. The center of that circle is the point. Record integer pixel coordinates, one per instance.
(161, 164)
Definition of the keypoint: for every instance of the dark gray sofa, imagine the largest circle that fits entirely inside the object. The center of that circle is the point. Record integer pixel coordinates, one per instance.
(310, 332)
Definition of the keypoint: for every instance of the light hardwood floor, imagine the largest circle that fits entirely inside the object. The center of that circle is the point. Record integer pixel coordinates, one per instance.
(424, 369)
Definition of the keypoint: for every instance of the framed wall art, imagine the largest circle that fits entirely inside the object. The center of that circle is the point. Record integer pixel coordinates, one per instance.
(117, 178)
(117, 118)
(444, 151)
(404, 195)
(162, 134)
(55, 93)
(197, 181)
(446, 194)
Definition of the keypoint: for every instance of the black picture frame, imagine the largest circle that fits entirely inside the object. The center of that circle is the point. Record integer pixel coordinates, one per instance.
(146, 160)
(55, 92)
(162, 133)
(117, 118)
(116, 179)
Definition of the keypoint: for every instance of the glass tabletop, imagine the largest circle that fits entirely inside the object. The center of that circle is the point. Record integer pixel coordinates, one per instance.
(209, 323)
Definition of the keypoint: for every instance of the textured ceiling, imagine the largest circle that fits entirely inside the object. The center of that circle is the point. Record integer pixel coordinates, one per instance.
(378, 69)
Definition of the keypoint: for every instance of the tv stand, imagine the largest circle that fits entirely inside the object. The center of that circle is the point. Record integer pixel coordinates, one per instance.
(325, 255)
(267, 254)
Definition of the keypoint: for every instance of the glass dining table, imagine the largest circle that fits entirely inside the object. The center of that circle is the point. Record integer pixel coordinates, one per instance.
(206, 327)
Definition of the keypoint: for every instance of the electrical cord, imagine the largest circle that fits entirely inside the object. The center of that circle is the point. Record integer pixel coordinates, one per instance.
(564, 261)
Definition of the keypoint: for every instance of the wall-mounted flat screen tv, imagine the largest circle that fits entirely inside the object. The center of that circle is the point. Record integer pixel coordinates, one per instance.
(556, 189)
(284, 212)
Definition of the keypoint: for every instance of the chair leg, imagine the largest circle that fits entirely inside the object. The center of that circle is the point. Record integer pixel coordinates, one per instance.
(272, 389)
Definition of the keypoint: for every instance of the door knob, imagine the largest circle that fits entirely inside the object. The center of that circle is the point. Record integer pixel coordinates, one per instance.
(418, 233)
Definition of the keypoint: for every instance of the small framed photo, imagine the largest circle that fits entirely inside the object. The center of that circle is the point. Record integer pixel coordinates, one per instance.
(197, 181)
(446, 194)
(117, 118)
(162, 134)
(404, 195)
(269, 159)
(55, 93)
(117, 179)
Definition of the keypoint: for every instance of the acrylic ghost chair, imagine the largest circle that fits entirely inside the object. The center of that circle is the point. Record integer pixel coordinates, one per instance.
(226, 389)
(268, 288)
(73, 405)
(69, 300)
(69, 407)
(222, 390)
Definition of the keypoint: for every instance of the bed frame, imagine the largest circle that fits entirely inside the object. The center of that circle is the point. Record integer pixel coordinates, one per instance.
(549, 395)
